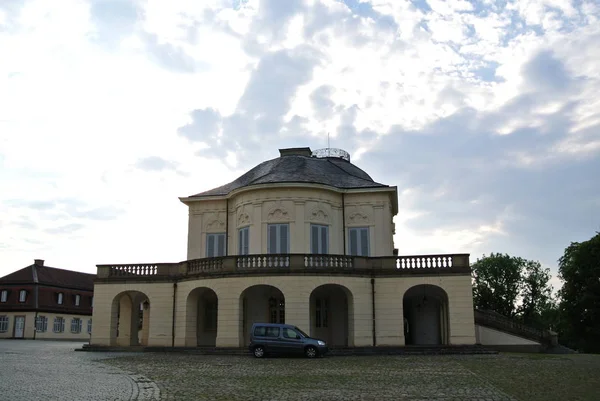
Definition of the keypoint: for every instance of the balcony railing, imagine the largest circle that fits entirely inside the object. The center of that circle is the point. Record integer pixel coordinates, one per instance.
(292, 263)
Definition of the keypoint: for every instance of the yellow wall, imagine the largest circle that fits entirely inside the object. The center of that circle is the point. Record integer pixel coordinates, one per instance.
(389, 294)
(49, 334)
(299, 207)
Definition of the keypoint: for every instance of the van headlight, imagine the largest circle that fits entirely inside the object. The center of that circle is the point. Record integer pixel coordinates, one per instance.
(321, 342)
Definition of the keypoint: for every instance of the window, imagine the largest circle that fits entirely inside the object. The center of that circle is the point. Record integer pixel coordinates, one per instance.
(59, 298)
(77, 299)
(243, 241)
(76, 325)
(215, 245)
(276, 310)
(59, 325)
(89, 326)
(41, 324)
(290, 333)
(4, 296)
(278, 239)
(319, 239)
(92, 302)
(272, 331)
(22, 295)
(321, 313)
(359, 241)
(3, 324)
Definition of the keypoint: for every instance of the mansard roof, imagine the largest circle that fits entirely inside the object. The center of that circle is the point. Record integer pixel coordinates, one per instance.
(50, 276)
(299, 165)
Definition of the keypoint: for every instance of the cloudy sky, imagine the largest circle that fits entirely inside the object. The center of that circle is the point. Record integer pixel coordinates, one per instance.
(485, 114)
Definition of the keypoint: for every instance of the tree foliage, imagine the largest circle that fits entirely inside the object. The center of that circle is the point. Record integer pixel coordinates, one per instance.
(514, 287)
(497, 282)
(579, 268)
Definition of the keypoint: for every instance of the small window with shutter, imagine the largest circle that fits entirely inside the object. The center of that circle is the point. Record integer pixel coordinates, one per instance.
(278, 238)
(215, 245)
(319, 239)
(359, 241)
(244, 241)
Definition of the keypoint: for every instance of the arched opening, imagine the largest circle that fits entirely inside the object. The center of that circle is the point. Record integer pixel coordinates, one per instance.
(130, 319)
(331, 315)
(202, 308)
(426, 315)
(260, 304)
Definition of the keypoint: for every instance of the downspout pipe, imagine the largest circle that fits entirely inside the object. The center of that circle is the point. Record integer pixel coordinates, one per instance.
(344, 222)
(173, 321)
(226, 226)
(373, 305)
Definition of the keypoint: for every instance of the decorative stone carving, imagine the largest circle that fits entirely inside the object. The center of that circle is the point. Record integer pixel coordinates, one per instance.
(243, 219)
(278, 213)
(214, 223)
(319, 214)
(357, 216)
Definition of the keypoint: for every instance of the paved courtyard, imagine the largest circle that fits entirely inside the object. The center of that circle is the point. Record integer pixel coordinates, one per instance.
(43, 370)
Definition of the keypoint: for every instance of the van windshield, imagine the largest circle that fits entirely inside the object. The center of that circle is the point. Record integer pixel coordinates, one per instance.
(301, 332)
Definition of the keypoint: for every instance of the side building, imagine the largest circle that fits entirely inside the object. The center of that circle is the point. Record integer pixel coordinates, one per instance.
(46, 303)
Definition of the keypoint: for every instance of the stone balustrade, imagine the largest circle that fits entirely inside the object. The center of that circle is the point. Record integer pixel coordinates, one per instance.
(282, 263)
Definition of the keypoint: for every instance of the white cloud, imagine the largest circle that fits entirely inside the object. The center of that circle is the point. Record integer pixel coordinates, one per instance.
(123, 106)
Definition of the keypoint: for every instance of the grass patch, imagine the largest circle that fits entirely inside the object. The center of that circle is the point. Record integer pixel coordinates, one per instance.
(540, 376)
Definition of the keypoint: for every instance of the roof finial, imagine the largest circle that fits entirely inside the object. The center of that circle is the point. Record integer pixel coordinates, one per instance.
(328, 147)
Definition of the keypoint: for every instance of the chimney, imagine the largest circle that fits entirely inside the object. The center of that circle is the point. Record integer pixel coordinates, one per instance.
(38, 262)
(295, 152)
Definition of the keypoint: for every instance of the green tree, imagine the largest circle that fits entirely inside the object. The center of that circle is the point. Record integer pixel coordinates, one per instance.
(579, 268)
(497, 283)
(536, 294)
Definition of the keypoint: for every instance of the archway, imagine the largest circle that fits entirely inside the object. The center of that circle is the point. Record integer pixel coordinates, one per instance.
(331, 315)
(202, 308)
(260, 304)
(130, 319)
(426, 315)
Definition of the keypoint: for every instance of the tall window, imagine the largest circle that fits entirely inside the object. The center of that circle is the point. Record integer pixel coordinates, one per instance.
(3, 295)
(22, 295)
(77, 299)
(319, 239)
(41, 324)
(244, 241)
(59, 298)
(359, 241)
(278, 238)
(322, 312)
(59, 325)
(215, 245)
(76, 325)
(89, 326)
(276, 310)
(3, 324)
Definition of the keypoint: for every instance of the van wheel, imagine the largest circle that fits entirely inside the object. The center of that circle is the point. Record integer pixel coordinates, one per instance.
(258, 351)
(310, 352)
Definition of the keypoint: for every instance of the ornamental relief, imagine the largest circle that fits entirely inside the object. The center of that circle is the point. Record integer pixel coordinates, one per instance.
(319, 214)
(278, 212)
(243, 217)
(214, 222)
(358, 216)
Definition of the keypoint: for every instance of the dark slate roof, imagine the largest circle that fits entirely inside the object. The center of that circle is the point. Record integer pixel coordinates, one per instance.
(332, 171)
(50, 276)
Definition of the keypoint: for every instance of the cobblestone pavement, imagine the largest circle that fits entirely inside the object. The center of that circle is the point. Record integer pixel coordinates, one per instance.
(203, 377)
(52, 370)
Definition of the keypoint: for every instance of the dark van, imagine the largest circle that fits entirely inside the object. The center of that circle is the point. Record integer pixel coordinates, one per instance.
(273, 338)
